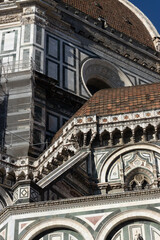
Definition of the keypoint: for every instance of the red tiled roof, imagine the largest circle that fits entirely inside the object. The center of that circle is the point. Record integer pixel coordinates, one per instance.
(122, 100)
(114, 101)
(118, 16)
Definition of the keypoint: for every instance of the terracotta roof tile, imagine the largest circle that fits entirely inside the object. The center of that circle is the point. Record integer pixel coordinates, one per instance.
(114, 101)
(118, 16)
(122, 100)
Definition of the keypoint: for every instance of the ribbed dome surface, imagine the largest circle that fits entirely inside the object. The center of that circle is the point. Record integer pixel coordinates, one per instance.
(118, 16)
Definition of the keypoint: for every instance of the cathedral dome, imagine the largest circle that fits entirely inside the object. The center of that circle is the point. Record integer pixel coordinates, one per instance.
(120, 15)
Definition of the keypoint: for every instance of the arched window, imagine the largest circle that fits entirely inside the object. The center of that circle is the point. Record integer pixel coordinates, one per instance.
(99, 74)
(116, 137)
(150, 131)
(127, 135)
(96, 141)
(138, 135)
(88, 137)
(133, 185)
(105, 137)
(58, 234)
(95, 84)
(80, 137)
(158, 132)
(138, 182)
(145, 184)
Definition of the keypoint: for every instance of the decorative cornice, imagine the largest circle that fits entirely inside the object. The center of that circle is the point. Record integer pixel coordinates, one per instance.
(97, 200)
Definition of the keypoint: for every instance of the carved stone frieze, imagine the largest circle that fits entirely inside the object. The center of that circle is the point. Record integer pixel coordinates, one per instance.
(28, 10)
(10, 18)
(28, 20)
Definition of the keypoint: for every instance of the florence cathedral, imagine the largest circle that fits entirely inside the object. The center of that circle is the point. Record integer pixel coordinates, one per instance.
(79, 121)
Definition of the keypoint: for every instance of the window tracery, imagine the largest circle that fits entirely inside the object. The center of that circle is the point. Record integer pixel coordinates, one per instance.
(133, 171)
(138, 182)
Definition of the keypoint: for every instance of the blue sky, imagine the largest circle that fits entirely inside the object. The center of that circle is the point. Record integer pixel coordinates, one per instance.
(151, 8)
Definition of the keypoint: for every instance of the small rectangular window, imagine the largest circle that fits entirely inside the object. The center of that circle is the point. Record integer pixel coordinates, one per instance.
(37, 138)
(27, 35)
(53, 47)
(69, 79)
(38, 35)
(38, 60)
(52, 123)
(69, 55)
(25, 58)
(52, 69)
(38, 114)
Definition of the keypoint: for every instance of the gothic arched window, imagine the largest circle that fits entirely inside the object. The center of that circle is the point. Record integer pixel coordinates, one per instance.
(127, 134)
(138, 182)
(116, 137)
(150, 133)
(105, 137)
(138, 134)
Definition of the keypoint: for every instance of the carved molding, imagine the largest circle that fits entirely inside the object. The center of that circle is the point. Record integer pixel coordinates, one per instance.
(10, 18)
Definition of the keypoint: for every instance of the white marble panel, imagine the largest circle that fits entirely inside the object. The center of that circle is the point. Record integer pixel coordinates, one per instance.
(9, 41)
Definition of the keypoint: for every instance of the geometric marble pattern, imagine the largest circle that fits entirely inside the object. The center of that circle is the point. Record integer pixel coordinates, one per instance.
(94, 219)
(24, 192)
(3, 233)
(34, 195)
(114, 172)
(23, 225)
(15, 195)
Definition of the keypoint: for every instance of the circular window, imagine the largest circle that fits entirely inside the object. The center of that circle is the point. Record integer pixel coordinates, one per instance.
(99, 74)
(95, 84)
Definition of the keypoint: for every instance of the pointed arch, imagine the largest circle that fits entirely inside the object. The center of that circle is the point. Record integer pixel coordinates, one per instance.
(105, 138)
(111, 158)
(150, 131)
(127, 135)
(138, 134)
